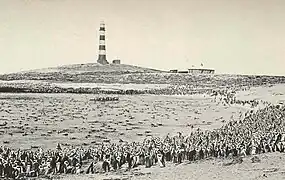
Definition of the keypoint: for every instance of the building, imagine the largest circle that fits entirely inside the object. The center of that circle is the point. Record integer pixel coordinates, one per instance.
(102, 45)
(116, 61)
(174, 71)
(193, 70)
(184, 72)
(201, 71)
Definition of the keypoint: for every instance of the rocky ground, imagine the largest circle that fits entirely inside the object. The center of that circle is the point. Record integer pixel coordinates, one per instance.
(126, 74)
(47, 119)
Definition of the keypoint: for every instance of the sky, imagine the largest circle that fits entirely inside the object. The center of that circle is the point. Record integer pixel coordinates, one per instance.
(231, 36)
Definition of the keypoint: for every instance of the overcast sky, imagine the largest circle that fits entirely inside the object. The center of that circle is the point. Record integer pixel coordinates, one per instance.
(232, 36)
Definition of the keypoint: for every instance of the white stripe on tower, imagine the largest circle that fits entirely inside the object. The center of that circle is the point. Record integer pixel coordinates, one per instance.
(102, 45)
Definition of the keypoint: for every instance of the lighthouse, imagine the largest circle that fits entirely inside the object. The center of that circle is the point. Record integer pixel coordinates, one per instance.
(102, 45)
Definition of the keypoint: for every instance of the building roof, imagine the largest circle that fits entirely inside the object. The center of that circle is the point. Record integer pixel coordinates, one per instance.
(207, 69)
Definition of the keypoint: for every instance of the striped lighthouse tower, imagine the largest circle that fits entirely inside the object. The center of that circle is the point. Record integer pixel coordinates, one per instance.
(102, 45)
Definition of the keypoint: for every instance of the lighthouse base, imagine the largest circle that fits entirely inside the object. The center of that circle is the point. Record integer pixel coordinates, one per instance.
(102, 60)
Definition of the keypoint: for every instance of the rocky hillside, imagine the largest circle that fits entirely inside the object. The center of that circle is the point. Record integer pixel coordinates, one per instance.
(95, 68)
(91, 72)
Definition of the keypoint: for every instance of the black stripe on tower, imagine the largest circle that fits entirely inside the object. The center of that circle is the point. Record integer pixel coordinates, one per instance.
(102, 47)
(102, 37)
(102, 57)
(102, 28)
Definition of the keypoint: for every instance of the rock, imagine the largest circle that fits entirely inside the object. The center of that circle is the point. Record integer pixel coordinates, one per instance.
(237, 160)
(255, 159)
(88, 136)
(153, 125)
(3, 124)
(106, 140)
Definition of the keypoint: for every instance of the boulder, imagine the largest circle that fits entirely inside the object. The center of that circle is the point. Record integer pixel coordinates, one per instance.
(255, 159)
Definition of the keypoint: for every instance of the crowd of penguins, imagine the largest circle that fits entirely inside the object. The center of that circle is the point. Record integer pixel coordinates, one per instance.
(258, 131)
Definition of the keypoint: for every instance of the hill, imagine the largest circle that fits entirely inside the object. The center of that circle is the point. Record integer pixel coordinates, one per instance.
(95, 68)
(90, 72)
